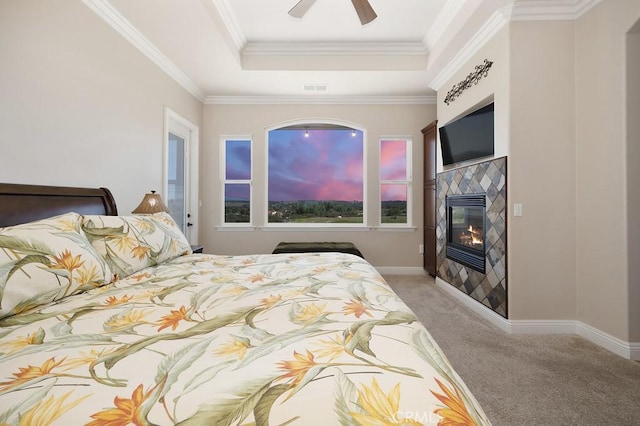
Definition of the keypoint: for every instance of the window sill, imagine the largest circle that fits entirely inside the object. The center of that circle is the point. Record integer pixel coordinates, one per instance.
(237, 228)
(314, 228)
(395, 228)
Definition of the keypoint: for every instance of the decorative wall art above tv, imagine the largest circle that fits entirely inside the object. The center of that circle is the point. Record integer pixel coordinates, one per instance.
(468, 137)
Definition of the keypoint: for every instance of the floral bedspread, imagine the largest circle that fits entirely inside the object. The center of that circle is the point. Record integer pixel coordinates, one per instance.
(218, 340)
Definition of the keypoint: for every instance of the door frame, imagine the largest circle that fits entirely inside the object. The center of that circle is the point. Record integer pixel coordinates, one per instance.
(192, 195)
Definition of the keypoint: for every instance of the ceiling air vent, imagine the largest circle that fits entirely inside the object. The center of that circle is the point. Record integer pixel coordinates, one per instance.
(315, 88)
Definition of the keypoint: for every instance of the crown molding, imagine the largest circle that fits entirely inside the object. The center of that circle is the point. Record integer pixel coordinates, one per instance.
(494, 24)
(518, 10)
(397, 56)
(119, 23)
(334, 49)
(230, 22)
(550, 10)
(320, 99)
(442, 22)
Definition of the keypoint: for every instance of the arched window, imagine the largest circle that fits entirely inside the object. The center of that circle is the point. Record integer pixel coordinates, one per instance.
(316, 174)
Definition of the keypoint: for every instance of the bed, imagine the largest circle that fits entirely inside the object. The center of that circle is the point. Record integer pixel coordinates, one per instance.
(111, 320)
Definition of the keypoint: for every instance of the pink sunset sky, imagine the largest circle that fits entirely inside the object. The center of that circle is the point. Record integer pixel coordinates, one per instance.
(327, 165)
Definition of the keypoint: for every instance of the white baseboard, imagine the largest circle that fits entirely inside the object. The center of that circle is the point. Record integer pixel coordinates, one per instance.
(543, 326)
(628, 350)
(477, 307)
(400, 270)
(635, 352)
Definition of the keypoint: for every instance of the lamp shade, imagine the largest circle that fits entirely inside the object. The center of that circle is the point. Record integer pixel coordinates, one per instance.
(151, 203)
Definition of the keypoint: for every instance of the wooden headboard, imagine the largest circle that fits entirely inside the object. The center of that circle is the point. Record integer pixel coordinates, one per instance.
(26, 203)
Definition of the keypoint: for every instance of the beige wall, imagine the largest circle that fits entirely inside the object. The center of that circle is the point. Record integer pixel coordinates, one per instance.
(602, 241)
(572, 143)
(633, 178)
(494, 86)
(79, 105)
(542, 255)
(381, 248)
(533, 64)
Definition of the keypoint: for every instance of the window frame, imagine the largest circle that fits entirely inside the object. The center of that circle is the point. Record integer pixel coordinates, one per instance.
(408, 181)
(224, 181)
(320, 226)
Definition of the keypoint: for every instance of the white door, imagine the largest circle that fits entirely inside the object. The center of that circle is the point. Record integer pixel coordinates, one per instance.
(181, 173)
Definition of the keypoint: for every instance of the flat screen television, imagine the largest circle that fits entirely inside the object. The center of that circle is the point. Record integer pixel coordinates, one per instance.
(468, 137)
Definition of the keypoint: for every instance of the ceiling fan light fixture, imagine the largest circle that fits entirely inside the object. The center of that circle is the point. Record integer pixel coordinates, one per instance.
(363, 9)
(300, 8)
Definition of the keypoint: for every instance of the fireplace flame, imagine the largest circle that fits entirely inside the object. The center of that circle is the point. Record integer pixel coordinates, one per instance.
(476, 237)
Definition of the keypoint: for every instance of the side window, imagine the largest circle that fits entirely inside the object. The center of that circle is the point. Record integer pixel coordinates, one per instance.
(237, 180)
(395, 181)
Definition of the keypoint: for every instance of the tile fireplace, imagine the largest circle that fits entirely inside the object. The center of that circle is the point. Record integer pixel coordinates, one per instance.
(471, 231)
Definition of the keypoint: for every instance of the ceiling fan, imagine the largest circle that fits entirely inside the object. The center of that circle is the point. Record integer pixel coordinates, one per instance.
(363, 9)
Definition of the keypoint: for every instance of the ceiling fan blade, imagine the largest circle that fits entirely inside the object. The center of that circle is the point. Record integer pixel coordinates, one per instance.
(301, 8)
(364, 10)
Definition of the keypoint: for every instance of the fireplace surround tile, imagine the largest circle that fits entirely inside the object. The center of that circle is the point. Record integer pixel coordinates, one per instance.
(489, 178)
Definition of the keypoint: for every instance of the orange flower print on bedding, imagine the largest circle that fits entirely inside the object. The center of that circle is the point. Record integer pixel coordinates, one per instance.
(455, 411)
(88, 276)
(355, 307)
(257, 277)
(18, 343)
(124, 242)
(298, 367)
(114, 301)
(31, 372)
(67, 261)
(333, 347)
(380, 408)
(126, 321)
(270, 301)
(47, 411)
(309, 313)
(236, 347)
(125, 412)
(173, 319)
(88, 358)
(140, 252)
(140, 276)
(67, 223)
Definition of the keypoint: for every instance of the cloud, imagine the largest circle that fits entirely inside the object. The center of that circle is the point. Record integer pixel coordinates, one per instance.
(393, 160)
(237, 192)
(238, 159)
(393, 193)
(325, 166)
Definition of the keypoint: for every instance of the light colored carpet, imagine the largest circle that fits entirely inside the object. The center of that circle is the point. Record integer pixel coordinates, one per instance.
(526, 379)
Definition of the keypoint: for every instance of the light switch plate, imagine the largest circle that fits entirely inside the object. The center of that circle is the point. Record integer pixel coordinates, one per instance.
(517, 209)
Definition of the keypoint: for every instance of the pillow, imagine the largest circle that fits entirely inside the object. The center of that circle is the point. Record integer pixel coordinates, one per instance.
(132, 243)
(46, 260)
